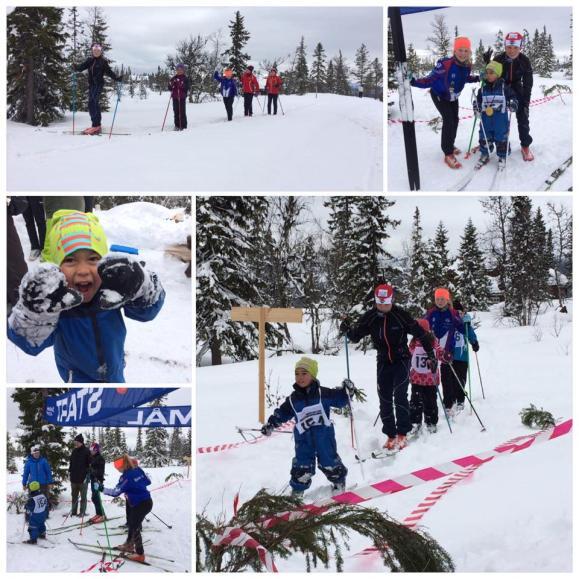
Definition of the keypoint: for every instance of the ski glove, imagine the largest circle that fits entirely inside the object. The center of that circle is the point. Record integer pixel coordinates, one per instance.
(348, 385)
(487, 55)
(513, 105)
(475, 347)
(44, 294)
(467, 319)
(267, 429)
(97, 487)
(432, 362)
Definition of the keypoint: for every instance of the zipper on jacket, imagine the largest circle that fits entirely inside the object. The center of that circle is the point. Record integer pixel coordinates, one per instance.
(386, 339)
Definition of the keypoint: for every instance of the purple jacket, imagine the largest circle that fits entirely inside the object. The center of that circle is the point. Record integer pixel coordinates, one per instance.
(179, 86)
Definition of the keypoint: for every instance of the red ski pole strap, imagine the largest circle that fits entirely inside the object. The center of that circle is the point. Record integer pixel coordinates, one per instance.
(239, 538)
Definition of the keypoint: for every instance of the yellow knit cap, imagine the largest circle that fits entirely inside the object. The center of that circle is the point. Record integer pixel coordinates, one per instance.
(309, 365)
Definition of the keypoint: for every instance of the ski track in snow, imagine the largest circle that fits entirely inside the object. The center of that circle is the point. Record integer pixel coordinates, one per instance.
(332, 143)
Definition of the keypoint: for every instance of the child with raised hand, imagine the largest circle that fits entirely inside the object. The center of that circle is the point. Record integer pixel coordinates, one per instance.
(314, 435)
(74, 302)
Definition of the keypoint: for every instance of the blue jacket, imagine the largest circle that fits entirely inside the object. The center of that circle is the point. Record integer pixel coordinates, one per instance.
(89, 342)
(36, 469)
(495, 96)
(447, 78)
(460, 351)
(318, 439)
(133, 483)
(444, 325)
(228, 86)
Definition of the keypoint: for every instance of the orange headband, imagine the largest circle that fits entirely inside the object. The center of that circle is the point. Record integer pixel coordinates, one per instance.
(441, 292)
(461, 42)
(119, 463)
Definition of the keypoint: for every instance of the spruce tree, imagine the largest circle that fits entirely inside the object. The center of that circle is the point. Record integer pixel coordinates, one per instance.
(237, 59)
(412, 59)
(139, 444)
(527, 47)
(536, 53)
(318, 77)
(314, 299)
(549, 58)
(499, 45)
(479, 62)
(375, 78)
(331, 78)
(155, 452)
(342, 74)
(362, 68)
(301, 74)
(175, 446)
(391, 59)
(440, 273)
(440, 38)
(473, 282)
(543, 258)
(75, 34)
(37, 79)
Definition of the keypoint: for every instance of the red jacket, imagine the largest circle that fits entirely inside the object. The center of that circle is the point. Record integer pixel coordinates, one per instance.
(420, 375)
(249, 82)
(273, 84)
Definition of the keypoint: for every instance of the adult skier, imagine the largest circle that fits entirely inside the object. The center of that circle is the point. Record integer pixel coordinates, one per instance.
(228, 90)
(179, 87)
(389, 325)
(78, 469)
(97, 67)
(97, 478)
(250, 87)
(272, 88)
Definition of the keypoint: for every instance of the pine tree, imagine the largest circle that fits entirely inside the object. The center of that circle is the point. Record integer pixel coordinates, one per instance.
(479, 62)
(439, 272)
(49, 437)
(549, 58)
(139, 445)
(536, 55)
(155, 452)
(342, 74)
(362, 69)
(237, 59)
(375, 78)
(543, 257)
(499, 42)
(37, 79)
(569, 62)
(301, 73)
(331, 78)
(439, 38)
(175, 446)
(75, 33)
(313, 288)
(473, 282)
(318, 78)
(527, 47)
(412, 59)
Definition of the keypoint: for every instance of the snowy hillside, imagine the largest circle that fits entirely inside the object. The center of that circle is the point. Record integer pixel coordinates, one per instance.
(158, 351)
(512, 515)
(551, 129)
(171, 503)
(332, 143)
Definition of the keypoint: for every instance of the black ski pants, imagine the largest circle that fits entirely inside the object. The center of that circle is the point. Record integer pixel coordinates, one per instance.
(248, 104)
(272, 98)
(35, 220)
(393, 396)
(449, 112)
(228, 102)
(94, 107)
(179, 113)
(135, 517)
(523, 126)
(423, 402)
(451, 389)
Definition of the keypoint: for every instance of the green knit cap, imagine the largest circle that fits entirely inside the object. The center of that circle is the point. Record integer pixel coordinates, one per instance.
(34, 485)
(309, 365)
(73, 230)
(496, 66)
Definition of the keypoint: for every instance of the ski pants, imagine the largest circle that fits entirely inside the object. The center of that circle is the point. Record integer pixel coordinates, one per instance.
(423, 402)
(228, 102)
(449, 112)
(135, 517)
(393, 395)
(523, 125)
(36, 526)
(248, 104)
(94, 107)
(451, 389)
(35, 220)
(272, 98)
(79, 489)
(496, 130)
(179, 113)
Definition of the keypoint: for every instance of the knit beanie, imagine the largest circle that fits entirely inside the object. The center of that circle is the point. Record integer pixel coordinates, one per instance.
(309, 365)
(34, 485)
(495, 66)
(79, 438)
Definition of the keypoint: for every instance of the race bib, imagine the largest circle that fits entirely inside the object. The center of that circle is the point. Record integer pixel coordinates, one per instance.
(40, 504)
(419, 361)
(311, 416)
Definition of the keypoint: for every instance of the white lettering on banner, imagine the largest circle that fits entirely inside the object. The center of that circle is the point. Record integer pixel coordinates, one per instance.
(81, 393)
(71, 409)
(94, 402)
(156, 416)
(60, 406)
(182, 420)
(138, 422)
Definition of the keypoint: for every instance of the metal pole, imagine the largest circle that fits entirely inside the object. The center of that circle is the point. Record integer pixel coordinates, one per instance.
(479, 375)
(116, 106)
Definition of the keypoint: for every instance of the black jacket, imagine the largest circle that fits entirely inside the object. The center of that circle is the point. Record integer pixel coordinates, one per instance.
(97, 468)
(97, 68)
(389, 333)
(518, 74)
(79, 464)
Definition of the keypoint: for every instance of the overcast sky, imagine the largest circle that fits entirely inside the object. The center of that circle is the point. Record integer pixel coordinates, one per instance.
(142, 37)
(484, 23)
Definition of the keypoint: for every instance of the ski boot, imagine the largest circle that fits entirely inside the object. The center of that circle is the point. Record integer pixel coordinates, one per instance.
(527, 155)
(452, 161)
(126, 547)
(338, 488)
(459, 407)
(93, 131)
(415, 431)
(96, 519)
(456, 151)
(30, 542)
(502, 164)
(401, 441)
(42, 536)
(136, 557)
(482, 161)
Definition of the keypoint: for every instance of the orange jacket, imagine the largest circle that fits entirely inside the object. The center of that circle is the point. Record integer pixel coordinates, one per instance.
(273, 84)
(249, 82)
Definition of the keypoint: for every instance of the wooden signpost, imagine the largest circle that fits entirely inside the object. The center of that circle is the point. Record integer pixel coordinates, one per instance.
(265, 315)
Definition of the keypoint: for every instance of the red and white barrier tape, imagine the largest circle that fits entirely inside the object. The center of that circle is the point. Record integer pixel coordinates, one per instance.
(239, 538)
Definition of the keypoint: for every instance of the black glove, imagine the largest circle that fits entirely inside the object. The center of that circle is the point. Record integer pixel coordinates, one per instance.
(344, 326)
(45, 290)
(348, 385)
(432, 362)
(513, 105)
(475, 347)
(267, 429)
(122, 279)
(487, 55)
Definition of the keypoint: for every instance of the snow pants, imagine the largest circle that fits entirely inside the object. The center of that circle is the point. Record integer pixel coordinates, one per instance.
(36, 526)
(451, 390)
(248, 104)
(523, 125)
(228, 102)
(272, 98)
(423, 402)
(94, 107)
(319, 443)
(135, 517)
(78, 489)
(496, 129)
(449, 112)
(179, 113)
(35, 222)
(393, 395)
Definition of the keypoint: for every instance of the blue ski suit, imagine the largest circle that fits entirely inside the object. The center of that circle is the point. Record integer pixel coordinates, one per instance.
(36, 511)
(314, 433)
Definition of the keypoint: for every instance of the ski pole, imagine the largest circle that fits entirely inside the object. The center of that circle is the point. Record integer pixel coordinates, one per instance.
(279, 100)
(377, 416)
(105, 522)
(162, 521)
(239, 429)
(352, 422)
(116, 106)
(508, 139)
(466, 324)
(444, 409)
(467, 396)
(166, 111)
(479, 375)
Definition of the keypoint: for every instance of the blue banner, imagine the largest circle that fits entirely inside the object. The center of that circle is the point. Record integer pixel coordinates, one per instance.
(404, 11)
(86, 406)
(149, 417)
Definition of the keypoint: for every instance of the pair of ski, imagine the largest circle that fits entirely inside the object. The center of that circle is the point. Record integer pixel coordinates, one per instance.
(495, 183)
(68, 528)
(47, 545)
(550, 181)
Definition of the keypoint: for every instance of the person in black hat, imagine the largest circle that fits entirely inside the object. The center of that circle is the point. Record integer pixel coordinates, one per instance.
(79, 472)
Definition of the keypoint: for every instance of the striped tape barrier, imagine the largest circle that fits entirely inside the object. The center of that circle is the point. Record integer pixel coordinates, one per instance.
(239, 538)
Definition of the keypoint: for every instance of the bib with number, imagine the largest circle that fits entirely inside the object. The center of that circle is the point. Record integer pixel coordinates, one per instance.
(40, 504)
(419, 359)
(310, 416)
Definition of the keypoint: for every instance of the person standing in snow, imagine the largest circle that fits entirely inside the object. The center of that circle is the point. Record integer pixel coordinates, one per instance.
(446, 81)
(74, 303)
(518, 75)
(97, 478)
(133, 484)
(97, 67)
(445, 323)
(35, 226)
(250, 87)
(36, 468)
(314, 435)
(79, 475)
(389, 325)
(36, 513)
(179, 87)
(272, 88)
(228, 90)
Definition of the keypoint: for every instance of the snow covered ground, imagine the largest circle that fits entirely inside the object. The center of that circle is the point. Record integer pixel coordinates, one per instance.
(551, 129)
(332, 143)
(514, 513)
(158, 351)
(172, 503)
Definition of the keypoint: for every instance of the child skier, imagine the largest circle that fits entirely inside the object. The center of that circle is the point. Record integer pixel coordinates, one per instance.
(228, 90)
(74, 302)
(314, 434)
(36, 511)
(424, 378)
(179, 87)
(493, 101)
